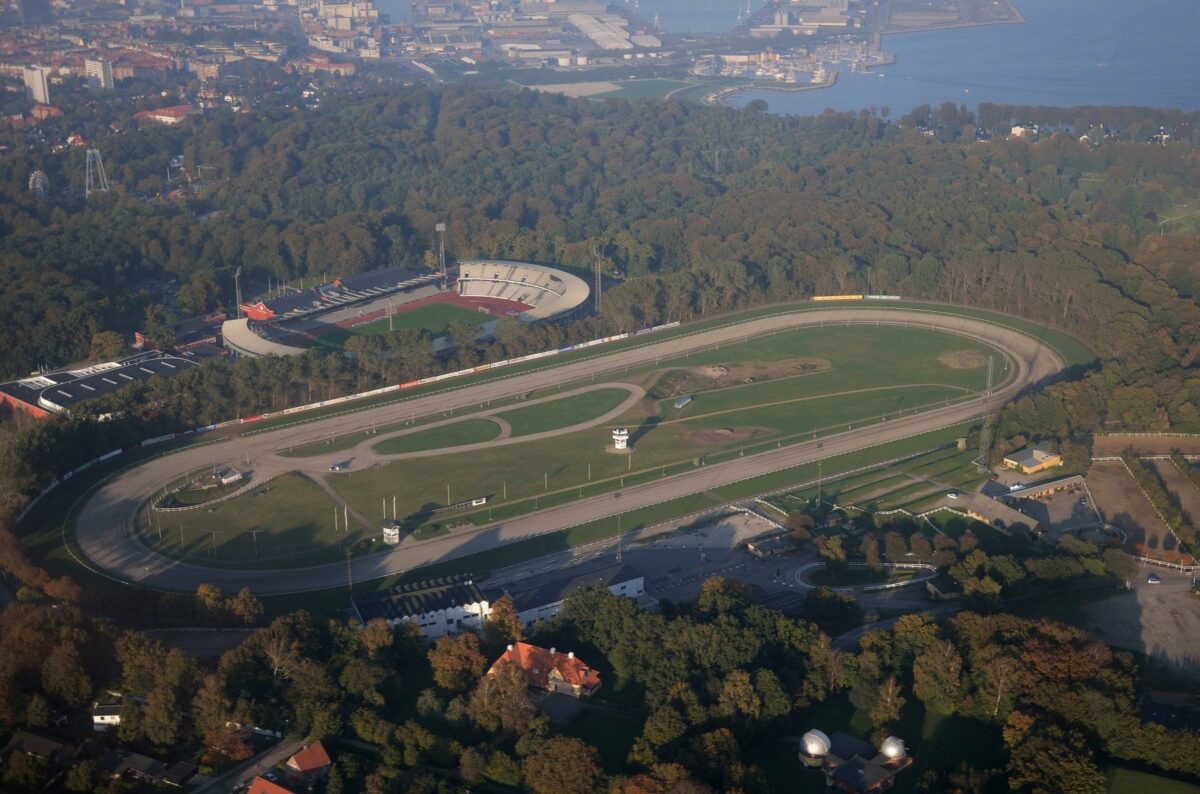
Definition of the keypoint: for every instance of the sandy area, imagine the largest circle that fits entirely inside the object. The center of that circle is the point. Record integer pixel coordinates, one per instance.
(1122, 504)
(1145, 445)
(576, 89)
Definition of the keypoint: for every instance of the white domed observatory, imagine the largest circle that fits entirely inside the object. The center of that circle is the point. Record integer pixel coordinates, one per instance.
(893, 748)
(814, 746)
(852, 765)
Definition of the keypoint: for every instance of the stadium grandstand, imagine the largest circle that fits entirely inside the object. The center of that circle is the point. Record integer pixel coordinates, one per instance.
(531, 292)
(58, 392)
(288, 324)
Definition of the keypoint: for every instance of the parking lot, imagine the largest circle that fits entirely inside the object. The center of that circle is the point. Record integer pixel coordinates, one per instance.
(1160, 620)
(1059, 512)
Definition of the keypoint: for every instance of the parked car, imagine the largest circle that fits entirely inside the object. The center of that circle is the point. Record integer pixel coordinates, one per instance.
(1153, 579)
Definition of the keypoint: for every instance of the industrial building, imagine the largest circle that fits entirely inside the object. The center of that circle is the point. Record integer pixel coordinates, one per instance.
(541, 598)
(439, 608)
(1031, 460)
(43, 394)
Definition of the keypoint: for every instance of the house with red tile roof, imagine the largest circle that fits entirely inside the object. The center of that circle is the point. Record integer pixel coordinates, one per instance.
(171, 115)
(260, 785)
(551, 670)
(309, 764)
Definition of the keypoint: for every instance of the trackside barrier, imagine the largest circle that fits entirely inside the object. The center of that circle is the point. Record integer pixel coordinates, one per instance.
(34, 501)
(158, 439)
(1174, 565)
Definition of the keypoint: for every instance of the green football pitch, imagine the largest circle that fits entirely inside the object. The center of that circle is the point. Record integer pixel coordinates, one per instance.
(434, 318)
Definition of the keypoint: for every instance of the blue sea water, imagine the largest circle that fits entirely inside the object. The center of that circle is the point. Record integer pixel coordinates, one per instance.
(1069, 52)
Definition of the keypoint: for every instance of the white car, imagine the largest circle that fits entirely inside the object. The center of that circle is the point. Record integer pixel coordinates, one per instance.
(1153, 579)
(952, 495)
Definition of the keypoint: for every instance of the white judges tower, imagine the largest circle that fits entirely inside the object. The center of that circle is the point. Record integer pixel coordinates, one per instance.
(621, 439)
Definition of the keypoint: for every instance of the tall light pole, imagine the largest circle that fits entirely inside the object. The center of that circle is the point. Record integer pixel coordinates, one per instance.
(237, 286)
(441, 230)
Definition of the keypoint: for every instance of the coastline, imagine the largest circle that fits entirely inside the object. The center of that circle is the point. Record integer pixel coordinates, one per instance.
(722, 97)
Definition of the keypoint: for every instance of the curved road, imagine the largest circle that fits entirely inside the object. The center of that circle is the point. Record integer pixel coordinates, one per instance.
(104, 531)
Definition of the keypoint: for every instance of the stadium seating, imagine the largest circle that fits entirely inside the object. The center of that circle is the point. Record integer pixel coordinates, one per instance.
(544, 292)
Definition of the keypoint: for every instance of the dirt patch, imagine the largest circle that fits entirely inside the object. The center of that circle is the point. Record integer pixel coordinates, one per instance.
(705, 436)
(1118, 443)
(707, 378)
(1122, 504)
(962, 359)
(576, 89)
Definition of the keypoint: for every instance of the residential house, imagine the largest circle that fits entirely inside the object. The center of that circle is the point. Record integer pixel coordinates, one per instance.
(550, 670)
(172, 115)
(54, 752)
(179, 774)
(106, 717)
(260, 785)
(308, 765)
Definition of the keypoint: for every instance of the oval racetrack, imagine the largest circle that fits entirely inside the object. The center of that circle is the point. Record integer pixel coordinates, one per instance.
(104, 530)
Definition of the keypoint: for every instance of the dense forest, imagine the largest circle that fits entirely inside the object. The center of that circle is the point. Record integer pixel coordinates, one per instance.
(696, 698)
(1085, 237)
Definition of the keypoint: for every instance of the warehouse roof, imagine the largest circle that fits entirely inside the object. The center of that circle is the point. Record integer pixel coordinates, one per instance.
(59, 391)
(555, 587)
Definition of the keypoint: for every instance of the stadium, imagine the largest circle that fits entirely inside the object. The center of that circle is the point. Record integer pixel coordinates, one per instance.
(482, 292)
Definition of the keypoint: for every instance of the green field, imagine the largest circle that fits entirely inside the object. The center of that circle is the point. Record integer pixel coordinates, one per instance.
(898, 486)
(434, 318)
(1129, 781)
(536, 474)
(1074, 352)
(468, 431)
(566, 412)
(283, 521)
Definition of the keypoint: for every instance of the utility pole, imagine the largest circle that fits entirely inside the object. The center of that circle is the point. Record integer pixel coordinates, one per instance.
(346, 516)
(596, 266)
(237, 286)
(985, 434)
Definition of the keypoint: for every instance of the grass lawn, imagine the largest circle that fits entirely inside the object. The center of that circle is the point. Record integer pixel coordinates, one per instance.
(287, 518)
(610, 733)
(468, 431)
(434, 318)
(563, 413)
(1129, 781)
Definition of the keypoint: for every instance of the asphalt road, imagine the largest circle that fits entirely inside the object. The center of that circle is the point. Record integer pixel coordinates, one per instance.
(105, 527)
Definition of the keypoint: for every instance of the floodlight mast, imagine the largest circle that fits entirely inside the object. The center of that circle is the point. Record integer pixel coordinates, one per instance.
(441, 230)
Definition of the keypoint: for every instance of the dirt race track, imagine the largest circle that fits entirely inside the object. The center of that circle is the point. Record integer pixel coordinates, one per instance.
(105, 528)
